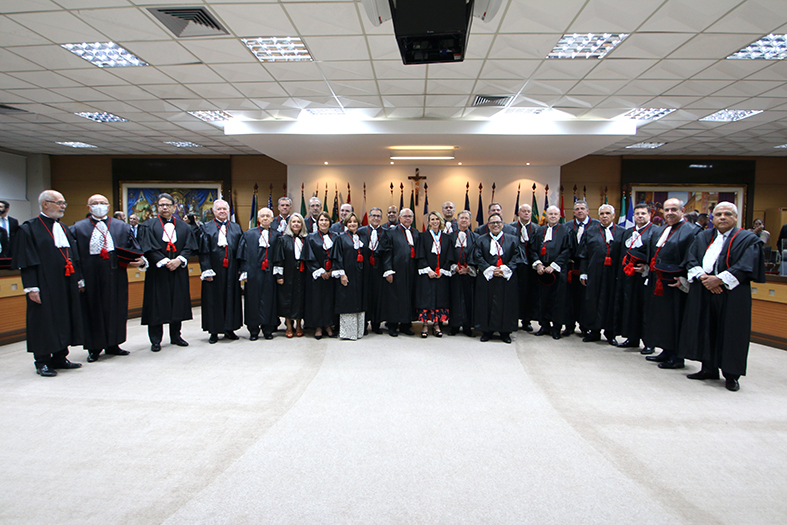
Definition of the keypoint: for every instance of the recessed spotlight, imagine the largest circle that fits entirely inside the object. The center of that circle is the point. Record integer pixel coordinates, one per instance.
(184, 144)
(104, 54)
(646, 113)
(326, 162)
(278, 49)
(587, 45)
(77, 145)
(731, 115)
(771, 47)
(211, 116)
(101, 117)
(391, 162)
(646, 145)
(459, 163)
(527, 163)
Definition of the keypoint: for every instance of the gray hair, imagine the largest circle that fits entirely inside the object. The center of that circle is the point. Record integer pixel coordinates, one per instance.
(465, 212)
(284, 199)
(727, 205)
(45, 195)
(611, 207)
(555, 207)
(220, 201)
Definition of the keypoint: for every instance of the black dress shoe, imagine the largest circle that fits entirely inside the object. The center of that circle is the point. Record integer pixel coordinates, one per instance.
(704, 374)
(505, 337)
(647, 350)
(116, 351)
(542, 331)
(254, 337)
(454, 330)
(231, 335)
(180, 342)
(267, 335)
(732, 384)
(92, 357)
(393, 333)
(628, 343)
(556, 333)
(46, 371)
(155, 347)
(591, 337)
(406, 331)
(214, 338)
(376, 329)
(528, 327)
(658, 358)
(567, 331)
(612, 342)
(65, 364)
(672, 364)
(486, 336)
(468, 332)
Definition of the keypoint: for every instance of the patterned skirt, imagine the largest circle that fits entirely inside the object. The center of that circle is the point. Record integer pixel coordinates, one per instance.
(440, 315)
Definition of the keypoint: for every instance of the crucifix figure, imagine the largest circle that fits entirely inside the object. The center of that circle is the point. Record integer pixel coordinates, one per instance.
(417, 177)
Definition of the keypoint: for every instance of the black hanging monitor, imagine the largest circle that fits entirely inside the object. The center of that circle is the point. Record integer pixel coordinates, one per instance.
(431, 31)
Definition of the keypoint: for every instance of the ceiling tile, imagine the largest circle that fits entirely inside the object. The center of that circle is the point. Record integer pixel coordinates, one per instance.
(357, 70)
(679, 15)
(701, 88)
(325, 18)
(732, 69)
(160, 53)
(676, 69)
(59, 26)
(388, 69)
(255, 20)
(217, 90)
(618, 69)
(403, 101)
(405, 113)
(383, 48)
(441, 112)
(469, 69)
(122, 24)
(498, 87)
(650, 45)
(51, 57)
(540, 17)
(168, 91)
(294, 71)
(564, 69)
(10, 82)
(42, 96)
(449, 87)
(190, 73)
(83, 94)
(93, 77)
(361, 101)
(715, 46)
(260, 89)
(354, 88)
(45, 79)
(749, 88)
(478, 45)
(613, 16)
(338, 48)
(509, 69)
(647, 87)
(242, 72)
(752, 16)
(401, 87)
(23, 6)
(536, 46)
(453, 101)
(219, 51)
(13, 34)
(548, 87)
(307, 89)
(597, 87)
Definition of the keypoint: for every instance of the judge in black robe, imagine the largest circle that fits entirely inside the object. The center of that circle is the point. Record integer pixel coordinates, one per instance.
(373, 241)
(432, 286)
(46, 253)
(221, 291)
(349, 266)
(289, 267)
(550, 255)
(344, 210)
(496, 255)
(105, 298)
(576, 292)
(280, 222)
(256, 250)
(315, 207)
(400, 270)
(167, 243)
(320, 285)
(667, 294)
(525, 231)
(463, 276)
(5, 244)
(717, 323)
(599, 254)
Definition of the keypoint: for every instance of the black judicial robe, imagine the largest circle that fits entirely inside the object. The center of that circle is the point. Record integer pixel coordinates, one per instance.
(320, 293)
(462, 286)
(350, 299)
(433, 294)
(599, 307)
(337, 227)
(552, 297)
(291, 296)
(497, 300)
(105, 299)
(277, 221)
(722, 320)
(665, 312)
(374, 273)
(56, 323)
(167, 297)
(260, 307)
(221, 297)
(630, 297)
(454, 226)
(399, 295)
(311, 225)
(528, 277)
(576, 292)
(508, 229)
(5, 244)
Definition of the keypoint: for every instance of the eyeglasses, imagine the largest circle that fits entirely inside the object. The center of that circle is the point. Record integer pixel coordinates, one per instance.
(165, 205)
(495, 222)
(59, 203)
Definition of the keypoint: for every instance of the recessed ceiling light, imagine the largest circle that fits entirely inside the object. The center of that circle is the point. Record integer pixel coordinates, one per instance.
(77, 145)
(419, 157)
(646, 145)
(322, 112)
(422, 148)
(783, 146)
(527, 163)
(278, 49)
(326, 162)
(185, 144)
(101, 117)
(211, 116)
(104, 54)
(587, 45)
(459, 163)
(731, 115)
(646, 113)
(391, 162)
(525, 111)
(771, 47)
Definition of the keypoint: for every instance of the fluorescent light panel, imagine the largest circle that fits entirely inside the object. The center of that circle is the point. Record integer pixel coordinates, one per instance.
(771, 47)
(587, 45)
(646, 113)
(731, 115)
(423, 148)
(77, 145)
(422, 157)
(322, 112)
(278, 49)
(101, 117)
(211, 116)
(183, 144)
(104, 54)
(525, 111)
(646, 145)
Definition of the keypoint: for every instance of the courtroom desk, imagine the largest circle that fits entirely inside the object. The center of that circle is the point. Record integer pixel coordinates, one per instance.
(13, 303)
(769, 312)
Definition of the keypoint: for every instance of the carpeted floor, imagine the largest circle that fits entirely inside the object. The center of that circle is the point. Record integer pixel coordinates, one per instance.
(389, 430)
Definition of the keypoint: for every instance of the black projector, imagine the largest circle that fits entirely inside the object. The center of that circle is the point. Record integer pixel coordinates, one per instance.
(431, 31)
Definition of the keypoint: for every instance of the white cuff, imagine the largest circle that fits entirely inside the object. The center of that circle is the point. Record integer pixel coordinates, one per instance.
(145, 264)
(81, 283)
(317, 273)
(445, 272)
(207, 273)
(556, 267)
(488, 273)
(694, 272)
(162, 262)
(535, 264)
(583, 277)
(646, 272)
(730, 281)
(424, 271)
(507, 272)
(472, 271)
(278, 270)
(243, 276)
(389, 272)
(454, 268)
(33, 289)
(183, 261)
(684, 284)
(337, 273)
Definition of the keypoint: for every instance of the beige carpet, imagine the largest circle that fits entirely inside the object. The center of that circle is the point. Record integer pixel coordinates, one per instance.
(388, 430)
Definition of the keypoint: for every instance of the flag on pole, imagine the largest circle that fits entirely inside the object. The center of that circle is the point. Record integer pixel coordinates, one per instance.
(348, 193)
(365, 220)
(401, 196)
(534, 205)
(335, 212)
(325, 200)
(253, 216)
(426, 205)
(467, 197)
(626, 212)
(412, 206)
(562, 207)
(516, 206)
(303, 201)
(231, 206)
(622, 218)
(479, 216)
(270, 198)
(546, 205)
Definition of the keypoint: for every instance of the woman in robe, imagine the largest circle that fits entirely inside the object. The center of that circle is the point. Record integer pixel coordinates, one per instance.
(462, 276)
(432, 287)
(289, 266)
(348, 266)
(320, 287)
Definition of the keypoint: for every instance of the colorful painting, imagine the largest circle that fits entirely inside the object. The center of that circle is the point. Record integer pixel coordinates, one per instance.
(140, 199)
(697, 198)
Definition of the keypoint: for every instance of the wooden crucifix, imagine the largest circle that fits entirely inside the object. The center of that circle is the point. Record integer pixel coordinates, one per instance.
(417, 177)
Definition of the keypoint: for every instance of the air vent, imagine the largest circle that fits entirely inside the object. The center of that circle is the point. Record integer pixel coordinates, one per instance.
(491, 101)
(10, 109)
(188, 21)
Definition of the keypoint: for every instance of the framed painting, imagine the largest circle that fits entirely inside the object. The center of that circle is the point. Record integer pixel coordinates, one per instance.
(197, 198)
(701, 198)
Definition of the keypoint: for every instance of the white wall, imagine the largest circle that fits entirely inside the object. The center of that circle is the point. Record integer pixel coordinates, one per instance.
(445, 183)
(26, 176)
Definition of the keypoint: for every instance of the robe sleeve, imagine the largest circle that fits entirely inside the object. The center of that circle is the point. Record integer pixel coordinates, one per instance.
(241, 254)
(337, 257)
(191, 246)
(477, 257)
(204, 250)
(386, 250)
(25, 257)
(518, 257)
(750, 265)
(421, 253)
(148, 244)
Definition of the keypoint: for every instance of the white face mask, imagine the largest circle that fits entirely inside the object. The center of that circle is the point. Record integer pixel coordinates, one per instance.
(99, 210)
